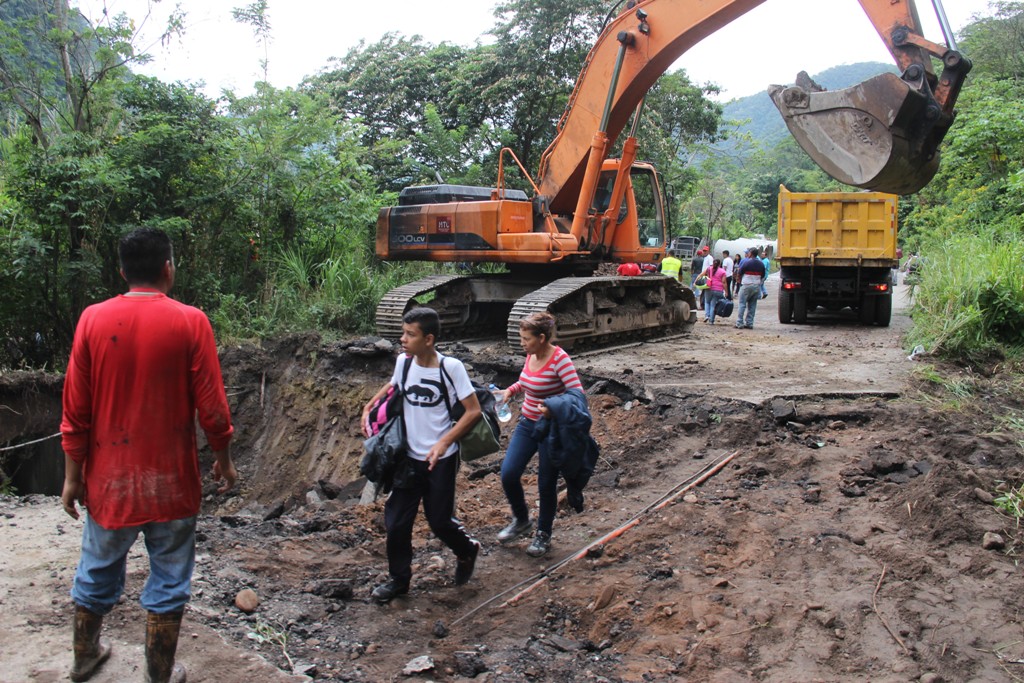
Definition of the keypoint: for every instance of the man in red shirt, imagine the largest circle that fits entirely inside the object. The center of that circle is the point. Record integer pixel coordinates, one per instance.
(629, 269)
(142, 367)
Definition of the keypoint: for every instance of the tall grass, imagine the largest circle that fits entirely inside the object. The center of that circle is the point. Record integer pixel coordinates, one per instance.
(335, 294)
(969, 303)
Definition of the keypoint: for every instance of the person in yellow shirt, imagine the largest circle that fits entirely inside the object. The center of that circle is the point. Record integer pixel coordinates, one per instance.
(671, 266)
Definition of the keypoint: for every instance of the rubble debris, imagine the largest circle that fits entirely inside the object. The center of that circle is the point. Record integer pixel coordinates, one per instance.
(419, 665)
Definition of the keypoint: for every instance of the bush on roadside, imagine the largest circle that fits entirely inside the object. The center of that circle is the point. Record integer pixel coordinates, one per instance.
(969, 303)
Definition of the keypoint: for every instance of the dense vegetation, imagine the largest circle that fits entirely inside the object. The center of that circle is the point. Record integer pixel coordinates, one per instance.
(271, 198)
(968, 223)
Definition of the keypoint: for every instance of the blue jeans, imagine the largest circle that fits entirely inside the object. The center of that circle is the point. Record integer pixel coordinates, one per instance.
(521, 448)
(99, 580)
(711, 297)
(749, 295)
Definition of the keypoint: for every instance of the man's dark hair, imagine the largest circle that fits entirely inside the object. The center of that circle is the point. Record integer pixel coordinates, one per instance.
(427, 318)
(143, 252)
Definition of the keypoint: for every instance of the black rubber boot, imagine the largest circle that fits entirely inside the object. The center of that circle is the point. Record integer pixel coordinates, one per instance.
(90, 650)
(161, 644)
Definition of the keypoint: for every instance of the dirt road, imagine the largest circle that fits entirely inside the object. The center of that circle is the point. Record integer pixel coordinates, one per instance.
(831, 355)
(850, 536)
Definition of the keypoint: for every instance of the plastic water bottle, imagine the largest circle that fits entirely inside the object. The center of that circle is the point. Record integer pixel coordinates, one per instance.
(504, 412)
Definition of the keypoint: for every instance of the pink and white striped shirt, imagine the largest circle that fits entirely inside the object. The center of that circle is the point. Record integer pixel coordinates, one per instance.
(556, 377)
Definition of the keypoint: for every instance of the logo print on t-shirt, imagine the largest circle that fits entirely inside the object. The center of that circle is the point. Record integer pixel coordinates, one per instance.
(426, 394)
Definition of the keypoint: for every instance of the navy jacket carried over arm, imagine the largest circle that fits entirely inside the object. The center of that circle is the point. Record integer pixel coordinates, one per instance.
(569, 444)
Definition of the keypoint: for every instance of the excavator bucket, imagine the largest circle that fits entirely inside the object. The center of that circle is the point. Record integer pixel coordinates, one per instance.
(878, 135)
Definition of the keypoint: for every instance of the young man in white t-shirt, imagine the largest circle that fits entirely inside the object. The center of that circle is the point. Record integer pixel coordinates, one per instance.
(432, 452)
(729, 265)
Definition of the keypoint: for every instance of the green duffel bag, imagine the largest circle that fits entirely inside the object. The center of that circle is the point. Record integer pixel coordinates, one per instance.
(484, 437)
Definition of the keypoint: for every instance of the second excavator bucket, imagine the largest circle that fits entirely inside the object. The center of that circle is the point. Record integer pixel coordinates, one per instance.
(879, 135)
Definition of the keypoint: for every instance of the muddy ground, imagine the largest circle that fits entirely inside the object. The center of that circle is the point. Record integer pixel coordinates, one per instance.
(848, 534)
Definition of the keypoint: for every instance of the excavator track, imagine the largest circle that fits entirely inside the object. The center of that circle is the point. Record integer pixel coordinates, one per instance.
(597, 311)
(395, 303)
(591, 311)
(469, 305)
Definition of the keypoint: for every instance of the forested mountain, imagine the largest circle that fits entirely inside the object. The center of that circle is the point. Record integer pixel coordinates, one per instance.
(756, 117)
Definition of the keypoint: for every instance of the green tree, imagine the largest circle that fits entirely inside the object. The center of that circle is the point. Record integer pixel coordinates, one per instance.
(679, 124)
(996, 44)
(58, 72)
(402, 91)
(74, 198)
(540, 47)
(973, 308)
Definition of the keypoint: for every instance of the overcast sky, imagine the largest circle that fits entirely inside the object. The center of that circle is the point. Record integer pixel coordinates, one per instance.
(768, 45)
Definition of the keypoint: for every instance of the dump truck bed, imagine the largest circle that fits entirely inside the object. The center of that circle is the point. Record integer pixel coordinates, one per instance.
(837, 229)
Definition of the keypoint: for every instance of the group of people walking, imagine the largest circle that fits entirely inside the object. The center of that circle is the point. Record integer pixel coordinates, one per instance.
(730, 278)
(547, 373)
(144, 369)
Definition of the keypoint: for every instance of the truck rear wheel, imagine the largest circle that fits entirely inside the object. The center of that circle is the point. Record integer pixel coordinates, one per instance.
(799, 308)
(884, 313)
(785, 307)
(867, 309)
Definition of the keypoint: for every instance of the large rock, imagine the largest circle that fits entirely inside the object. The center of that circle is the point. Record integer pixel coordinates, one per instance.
(247, 600)
(783, 410)
(418, 665)
(993, 541)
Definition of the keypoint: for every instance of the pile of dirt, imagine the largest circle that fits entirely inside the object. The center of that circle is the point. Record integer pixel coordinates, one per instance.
(845, 538)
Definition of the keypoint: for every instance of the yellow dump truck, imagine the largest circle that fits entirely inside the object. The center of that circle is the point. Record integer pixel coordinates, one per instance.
(836, 250)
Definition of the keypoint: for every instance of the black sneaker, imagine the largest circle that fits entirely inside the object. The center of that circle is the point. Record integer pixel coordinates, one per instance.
(386, 592)
(465, 565)
(540, 546)
(575, 498)
(514, 530)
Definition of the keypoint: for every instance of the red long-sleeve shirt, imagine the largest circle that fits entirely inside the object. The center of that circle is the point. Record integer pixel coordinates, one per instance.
(141, 369)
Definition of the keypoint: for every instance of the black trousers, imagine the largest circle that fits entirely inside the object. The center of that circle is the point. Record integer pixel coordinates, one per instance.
(437, 491)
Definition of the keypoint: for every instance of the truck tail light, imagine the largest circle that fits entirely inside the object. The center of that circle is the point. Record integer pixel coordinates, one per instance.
(879, 287)
(790, 285)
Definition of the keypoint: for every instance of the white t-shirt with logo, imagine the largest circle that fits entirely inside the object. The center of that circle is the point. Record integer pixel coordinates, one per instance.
(426, 416)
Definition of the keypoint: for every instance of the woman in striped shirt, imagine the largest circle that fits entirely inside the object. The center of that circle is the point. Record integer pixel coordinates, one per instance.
(548, 371)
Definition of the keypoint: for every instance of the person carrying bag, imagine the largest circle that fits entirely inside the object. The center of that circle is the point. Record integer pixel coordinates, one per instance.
(426, 472)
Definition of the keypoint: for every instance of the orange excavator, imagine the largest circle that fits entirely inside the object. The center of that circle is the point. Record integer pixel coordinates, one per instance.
(587, 209)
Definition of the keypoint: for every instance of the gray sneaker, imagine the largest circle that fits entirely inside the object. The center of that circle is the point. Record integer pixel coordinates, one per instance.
(514, 530)
(540, 546)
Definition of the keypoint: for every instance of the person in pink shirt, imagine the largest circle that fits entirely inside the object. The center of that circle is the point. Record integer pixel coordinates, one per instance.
(548, 371)
(716, 276)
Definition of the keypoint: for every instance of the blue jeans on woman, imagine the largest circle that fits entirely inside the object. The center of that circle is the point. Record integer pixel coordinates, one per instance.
(521, 448)
(711, 297)
(99, 580)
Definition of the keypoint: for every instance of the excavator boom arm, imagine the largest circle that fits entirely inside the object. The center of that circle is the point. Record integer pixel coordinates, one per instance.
(660, 31)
